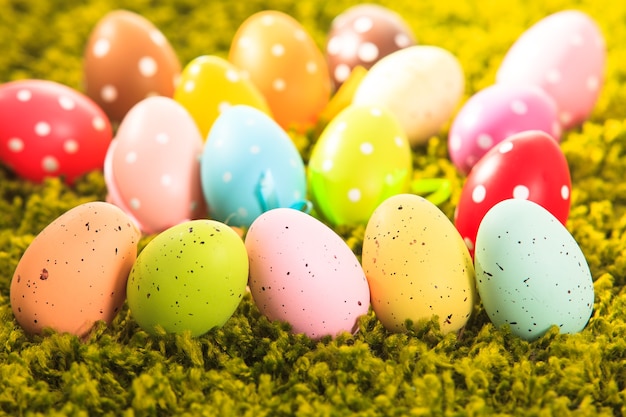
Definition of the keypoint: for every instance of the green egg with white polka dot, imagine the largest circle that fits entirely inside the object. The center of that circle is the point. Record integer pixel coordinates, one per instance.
(361, 158)
(190, 277)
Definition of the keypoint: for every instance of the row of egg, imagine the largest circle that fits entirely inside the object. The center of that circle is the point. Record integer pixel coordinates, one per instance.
(528, 270)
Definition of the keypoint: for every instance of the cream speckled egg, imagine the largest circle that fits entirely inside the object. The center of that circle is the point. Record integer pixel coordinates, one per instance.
(74, 272)
(417, 265)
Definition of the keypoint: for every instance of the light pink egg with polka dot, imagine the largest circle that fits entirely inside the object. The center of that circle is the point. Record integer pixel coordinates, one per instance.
(152, 168)
(127, 59)
(495, 113)
(361, 36)
(565, 54)
(529, 165)
(48, 129)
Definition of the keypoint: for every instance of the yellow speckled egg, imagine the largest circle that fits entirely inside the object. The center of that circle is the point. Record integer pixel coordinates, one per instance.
(417, 265)
(74, 272)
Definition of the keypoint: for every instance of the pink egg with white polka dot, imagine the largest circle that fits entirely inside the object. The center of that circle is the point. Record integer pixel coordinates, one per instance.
(152, 167)
(528, 165)
(362, 35)
(127, 59)
(495, 113)
(48, 129)
(565, 54)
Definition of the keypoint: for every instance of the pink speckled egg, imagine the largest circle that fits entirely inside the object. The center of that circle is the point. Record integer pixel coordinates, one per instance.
(565, 54)
(303, 273)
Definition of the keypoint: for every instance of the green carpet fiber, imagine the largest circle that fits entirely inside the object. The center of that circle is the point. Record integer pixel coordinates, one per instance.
(252, 367)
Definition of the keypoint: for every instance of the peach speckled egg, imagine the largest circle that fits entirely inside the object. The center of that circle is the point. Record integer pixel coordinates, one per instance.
(303, 273)
(417, 265)
(74, 272)
(127, 59)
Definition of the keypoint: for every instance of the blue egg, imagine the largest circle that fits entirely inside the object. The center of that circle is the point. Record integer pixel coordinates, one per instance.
(250, 165)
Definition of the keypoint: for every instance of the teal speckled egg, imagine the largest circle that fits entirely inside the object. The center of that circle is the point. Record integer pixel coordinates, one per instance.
(530, 272)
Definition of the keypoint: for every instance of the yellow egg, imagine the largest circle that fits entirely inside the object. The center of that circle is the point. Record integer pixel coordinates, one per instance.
(417, 265)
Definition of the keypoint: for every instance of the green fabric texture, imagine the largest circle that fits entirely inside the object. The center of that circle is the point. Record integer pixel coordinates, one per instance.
(252, 367)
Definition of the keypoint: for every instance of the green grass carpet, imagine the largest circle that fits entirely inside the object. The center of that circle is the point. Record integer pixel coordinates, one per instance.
(252, 367)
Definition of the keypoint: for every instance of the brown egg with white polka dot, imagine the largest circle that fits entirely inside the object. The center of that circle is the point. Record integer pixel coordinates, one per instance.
(361, 36)
(127, 59)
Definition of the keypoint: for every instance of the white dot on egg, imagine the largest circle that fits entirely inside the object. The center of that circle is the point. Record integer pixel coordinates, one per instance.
(15, 145)
(367, 52)
(227, 176)
(505, 147)
(166, 180)
(195, 69)
(565, 192)
(400, 142)
(108, 93)
(354, 195)
(455, 142)
(131, 157)
(189, 86)
(50, 164)
(255, 149)
(342, 72)
(553, 76)
(521, 192)
(101, 47)
(327, 165)
(98, 123)
(267, 20)
(232, 75)
(363, 24)
(162, 138)
(279, 84)
(135, 204)
(277, 50)
(147, 66)
(244, 42)
(70, 146)
(366, 148)
(334, 46)
(42, 129)
(479, 193)
(519, 107)
(300, 35)
(66, 103)
(593, 83)
(375, 111)
(24, 95)
(468, 243)
(401, 40)
(484, 141)
(311, 67)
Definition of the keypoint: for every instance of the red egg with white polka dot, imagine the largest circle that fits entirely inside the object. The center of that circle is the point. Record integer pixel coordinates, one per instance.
(528, 165)
(495, 113)
(286, 65)
(362, 35)
(564, 54)
(48, 129)
(127, 59)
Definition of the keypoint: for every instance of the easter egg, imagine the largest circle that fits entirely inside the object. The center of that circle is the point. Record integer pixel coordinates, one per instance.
(421, 85)
(285, 64)
(127, 59)
(48, 129)
(190, 277)
(564, 54)
(495, 113)
(531, 274)
(250, 165)
(209, 84)
(361, 157)
(417, 265)
(152, 169)
(528, 165)
(74, 272)
(304, 274)
(361, 36)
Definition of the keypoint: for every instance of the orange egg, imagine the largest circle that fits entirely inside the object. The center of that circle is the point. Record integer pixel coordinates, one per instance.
(285, 64)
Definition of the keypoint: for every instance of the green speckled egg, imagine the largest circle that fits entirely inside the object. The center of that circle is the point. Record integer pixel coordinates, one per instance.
(531, 274)
(190, 277)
